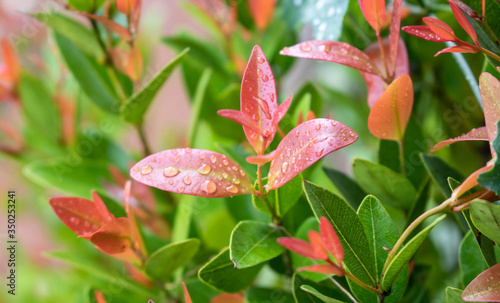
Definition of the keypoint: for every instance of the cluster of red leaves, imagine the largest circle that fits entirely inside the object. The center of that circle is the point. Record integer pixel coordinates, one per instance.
(321, 245)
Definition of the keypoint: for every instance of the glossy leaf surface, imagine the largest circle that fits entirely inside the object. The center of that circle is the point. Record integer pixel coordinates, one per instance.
(485, 287)
(486, 217)
(306, 144)
(114, 237)
(475, 134)
(194, 172)
(374, 12)
(254, 242)
(470, 258)
(390, 114)
(423, 32)
(332, 51)
(440, 28)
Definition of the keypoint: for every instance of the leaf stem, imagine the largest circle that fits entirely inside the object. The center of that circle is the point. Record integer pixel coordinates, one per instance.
(142, 136)
(402, 157)
(343, 289)
(382, 53)
(360, 283)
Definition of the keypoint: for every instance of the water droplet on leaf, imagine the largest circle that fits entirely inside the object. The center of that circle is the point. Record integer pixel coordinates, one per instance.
(170, 171)
(146, 170)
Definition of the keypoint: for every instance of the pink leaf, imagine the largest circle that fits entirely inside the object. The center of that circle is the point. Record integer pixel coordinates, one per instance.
(470, 182)
(326, 269)
(281, 111)
(440, 28)
(332, 240)
(394, 35)
(423, 32)
(194, 172)
(262, 12)
(186, 293)
(240, 118)
(298, 246)
(332, 51)
(374, 12)
(474, 135)
(489, 86)
(80, 215)
(318, 245)
(263, 159)
(258, 100)
(390, 114)
(376, 85)
(485, 287)
(457, 49)
(306, 144)
(114, 237)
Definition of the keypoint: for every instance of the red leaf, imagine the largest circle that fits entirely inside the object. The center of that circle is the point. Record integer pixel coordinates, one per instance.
(126, 6)
(263, 159)
(485, 287)
(457, 49)
(12, 71)
(137, 241)
(262, 12)
(331, 240)
(240, 118)
(470, 182)
(489, 86)
(440, 28)
(258, 100)
(306, 144)
(326, 269)
(186, 293)
(474, 135)
(374, 12)
(298, 246)
(464, 23)
(115, 237)
(99, 297)
(318, 246)
(332, 51)
(101, 207)
(80, 215)
(194, 172)
(423, 32)
(390, 114)
(394, 35)
(376, 85)
(228, 298)
(281, 111)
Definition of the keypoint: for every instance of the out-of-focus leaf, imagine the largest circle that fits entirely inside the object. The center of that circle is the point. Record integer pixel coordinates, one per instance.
(474, 135)
(262, 12)
(374, 12)
(485, 287)
(259, 295)
(326, 289)
(440, 172)
(358, 256)
(405, 254)
(135, 107)
(390, 114)
(489, 87)
(220, 274)
(470, 259)
(332, 51)
(114, 237)
(453, 295)
(193, 171)
(86, 5)
(287, 196)
(486, 217)
(111, 26)
(306, 144)
(463, 49)
(489, 179)
(187, 297)
(126, 6)
(166, 260)
(389, 186)
(253, 243)
(199, 99)
(317, 294)
(347, 186)
(395, 29)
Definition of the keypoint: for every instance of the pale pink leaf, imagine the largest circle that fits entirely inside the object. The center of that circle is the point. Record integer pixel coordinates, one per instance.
(476, 134)
(263, 159)
(306, 144)
(241, 118)
(423, 32)
(194, 172)
(440, 28)
(485, 287)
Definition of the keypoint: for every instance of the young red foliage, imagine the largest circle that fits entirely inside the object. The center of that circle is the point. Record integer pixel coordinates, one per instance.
(457, 49)
(126, 6)
(464, 23)
(332, 51)
(374, 12)
(423, 32)
(318, 245)
(390, 114)
(306, 144)
(262, 12)
(331, 240)
(394, 36)
(327, 269)
(474, 135)
(114, 237)
(440, 28)
(11, 71)
(187, 297)
(298, 246)
(138, 243)
(194, 172)
(263, 159)
(99, 297)
(470, 182)
(228, 298)
(489, 86)
(110, 25)
(485, 287)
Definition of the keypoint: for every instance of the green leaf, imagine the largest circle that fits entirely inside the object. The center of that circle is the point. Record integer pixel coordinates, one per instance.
(92, 77)
(485, 243)
(440, 172)
(254, 242)
(381, 234)
(347, 186)
(86, 5)
(389, 186)
(163, 262)
(259, 295)
(453, 295)
(135, 107)
(72, 30)
(327, 289)
(405, 254)
(486, 217)
(39, 108)
(470, 259)
(287, 196)
(199, 98)
(319, 295)
(220, 274)
(358, 257)
(490, 179)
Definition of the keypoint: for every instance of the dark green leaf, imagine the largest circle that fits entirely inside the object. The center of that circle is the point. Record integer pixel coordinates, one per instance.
(220, 274)
(259, 295)
(485, 244)
(135, 107)
(162, 263)
(254, 242)
(453, 295)
(470, 259)
(327, 288)
(486, 217)
(317, 294)
(358, 257)
(490, 179)
(440, 172)
(347, 186)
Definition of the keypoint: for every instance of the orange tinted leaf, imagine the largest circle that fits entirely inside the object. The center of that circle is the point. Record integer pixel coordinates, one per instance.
(80, 215)
(423, 32)
(470, 182)
(306, 144)
(101, 207)
(136, 236)
(99, 297)
(440, 28)
(390, 114)
(228, 298)
(332, 51)
(374, 12)
(331, 240)
(186, 293)
(318, 246)
(298, 246)
(134, 63)
(263, 159)
(489, 86)
(110, 25)
(12, 71)
(126, 6)
(474, 135)
(114, 237)
(394, 34)
(485, 287)
(194, 172)
(326, 269)
(310, 115)
(457, 49)
(262, 12)
(464, 23)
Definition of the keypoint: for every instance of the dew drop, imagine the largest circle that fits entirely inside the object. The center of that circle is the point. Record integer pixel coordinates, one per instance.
(300, 157)
(213, 159)
(204, 169)
(176, 159)
(330, 142)
(288, 152)
(202, 156)
(225, 162)
(171, 182)
(301, 144)
(284, 167)
(318, 126)
(297, 133)
(86, 223)
(170, 171)
(136, 168)
(242, 173)
(224, 175)
(308, 133)
(334, 123)
(236, 181)
(235, 168)
(351, 133)
(259, 73)
(174, 151)
(153, 160)
(286, 50)
(305, 47)
(209, 187)
(146, 170)
(181, 189)
(187, 180)
(319, 152)
(293, 160)
(265, 78)
(490, 289)
(232, 189)
(260, 59)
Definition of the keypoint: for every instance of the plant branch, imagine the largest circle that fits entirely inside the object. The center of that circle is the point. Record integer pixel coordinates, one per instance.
(142, 136)
(343, 289)
(382, 53)
(360, 283)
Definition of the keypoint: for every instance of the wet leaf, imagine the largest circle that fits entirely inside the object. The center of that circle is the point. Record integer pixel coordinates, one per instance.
(262, 12)
(423, 32)
(390, 114)
(332, 51)
(440, 28)
(114, 237)
(457, 49)
(475, 134)
(462, 20)
(306, 144)
(194, 172)
(374, 12)
(490, 96)
(395, 29)
(485, 287)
